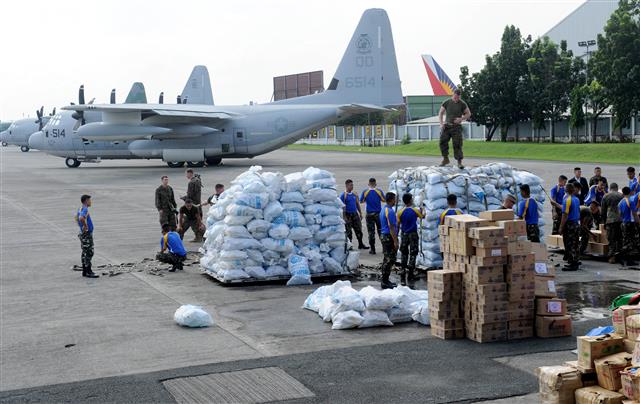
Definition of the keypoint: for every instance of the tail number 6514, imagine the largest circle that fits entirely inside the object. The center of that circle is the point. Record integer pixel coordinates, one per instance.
(359, 82)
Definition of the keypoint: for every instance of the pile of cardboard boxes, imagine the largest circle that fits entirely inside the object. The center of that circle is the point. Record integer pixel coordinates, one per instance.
(499, 269)
(607, 370)
(445, 304)
(598, 242)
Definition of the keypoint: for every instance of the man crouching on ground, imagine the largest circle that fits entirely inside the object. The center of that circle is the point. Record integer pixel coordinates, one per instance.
(171, 249)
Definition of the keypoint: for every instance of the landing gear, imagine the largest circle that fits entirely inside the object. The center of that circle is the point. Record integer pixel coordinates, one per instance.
(5, 144)
(175, 164)
(195, 164)
(24, 149)
(214, 161)
(72, 163)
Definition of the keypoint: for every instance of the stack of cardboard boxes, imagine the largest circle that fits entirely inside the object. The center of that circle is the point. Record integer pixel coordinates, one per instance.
(445, 304)
(598, 244)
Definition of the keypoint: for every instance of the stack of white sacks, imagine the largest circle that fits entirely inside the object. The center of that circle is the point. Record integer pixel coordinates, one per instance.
(268, 225)
(478, 189)
(346, 307)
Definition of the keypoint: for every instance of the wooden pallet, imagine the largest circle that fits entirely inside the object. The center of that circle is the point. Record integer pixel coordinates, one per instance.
(274, 279)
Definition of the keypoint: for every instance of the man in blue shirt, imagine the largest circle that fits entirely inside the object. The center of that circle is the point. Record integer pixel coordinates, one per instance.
(628, 207)
(86, 236)
(528, 210)
(556, 198)
(171, 248)
(409, 245)
(389, 238)
(570, 228)
(373, 197)
(596, 193)
(634, 186)
(452, 202)
(352, 214)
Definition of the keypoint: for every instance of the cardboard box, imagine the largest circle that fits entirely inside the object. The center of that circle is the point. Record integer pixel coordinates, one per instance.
(519, 277)
(520, 333)
(553, 326)
(635, 359)
(583, 370)
(603, 233)
(518, 295)
(596, 237)
(598, 248)
(545, 287)
(524, 260)
(495, 252)
(459, 243)
(487, 232)
(619, 317)
(489, 307)
(484, 261)
(498, 214)
(448, 277)
(445, 295)
(544, 269)
(520, 247)
(521, 311)
(443, 230)
(487, 288)
(608, 370)
(540, 252)
(487, 336)
(630, 378)
(444, 306)
(464, 222)
(444, 333)
(632, 325)
(451, 323)
(558, 384)
(555, 241)
(551, 307)
(527, 323)
(481, 317)
(484, 299)
(592, 348)
(513, 227)
(597, 395)
(481, 275)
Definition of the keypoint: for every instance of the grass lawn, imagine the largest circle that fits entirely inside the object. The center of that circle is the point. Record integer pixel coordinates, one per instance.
(613, 153)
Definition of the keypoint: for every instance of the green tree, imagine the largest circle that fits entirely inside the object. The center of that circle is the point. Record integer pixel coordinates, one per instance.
(477, 91)
(577, 119)
(616, 63)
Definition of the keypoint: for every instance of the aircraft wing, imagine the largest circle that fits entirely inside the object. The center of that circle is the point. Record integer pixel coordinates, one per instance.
(362, 108)
(151, 121)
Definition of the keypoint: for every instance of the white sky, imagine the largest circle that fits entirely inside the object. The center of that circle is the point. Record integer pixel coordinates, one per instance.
(49, 48)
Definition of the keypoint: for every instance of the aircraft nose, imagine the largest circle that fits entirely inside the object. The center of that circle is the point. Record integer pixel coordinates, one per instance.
(36, 140)
(3, 135)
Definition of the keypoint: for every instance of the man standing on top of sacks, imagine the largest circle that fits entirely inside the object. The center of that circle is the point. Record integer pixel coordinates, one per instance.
(456, 111)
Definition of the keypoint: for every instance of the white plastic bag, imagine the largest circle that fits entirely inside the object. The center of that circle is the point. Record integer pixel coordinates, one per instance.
(256, 272)
(279, 231)
(421, 311)
(399, 314)
(299, 269)
(331, 265)
(347, 299)
(272, 210)
(188, 315)
(291, 197)
(375, 299)
(258, 226)
(237, 231)
(346, 319)
(353, 260)
(300, 233)
(374, 318)
(276, 270)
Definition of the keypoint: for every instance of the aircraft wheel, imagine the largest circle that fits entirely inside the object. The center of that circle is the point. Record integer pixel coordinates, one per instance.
(175, 164)
(72, 163)
(5, 144)
(214, 161)
(24, 149)
(195, 164)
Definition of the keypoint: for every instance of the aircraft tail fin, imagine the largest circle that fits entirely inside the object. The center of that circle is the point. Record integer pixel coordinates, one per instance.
(440, 81)
(368, 72)
(198, 87)
(136, 95)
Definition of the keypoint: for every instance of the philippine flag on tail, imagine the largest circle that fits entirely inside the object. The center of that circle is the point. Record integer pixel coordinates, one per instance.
(440, 82)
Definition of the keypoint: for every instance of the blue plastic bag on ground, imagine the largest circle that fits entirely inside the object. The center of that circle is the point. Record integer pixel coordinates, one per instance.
(600, 331)
(192, 316)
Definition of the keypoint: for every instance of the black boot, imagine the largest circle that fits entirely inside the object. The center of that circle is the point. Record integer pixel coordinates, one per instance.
(403, 277)
(386, 283)
(412, 275)
(372, 251)
(88, 273)
(173, 268)
(361, 245)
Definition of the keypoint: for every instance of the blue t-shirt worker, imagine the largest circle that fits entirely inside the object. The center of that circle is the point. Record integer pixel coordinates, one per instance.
(628, 207)
(570, 228)
(408, 217)
(172, 250)
(352, 214)
(389, 238)
(528, 210)
(373, 197)
(83, 218)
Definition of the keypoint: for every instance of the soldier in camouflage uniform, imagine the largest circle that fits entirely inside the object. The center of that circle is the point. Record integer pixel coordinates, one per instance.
(352, 214)
(586, 224)
(628, 207)
(389, 238)
(194, 189)
(166, 203)
(86, 236)
(409, 245)
(570, 228)
(613, 222)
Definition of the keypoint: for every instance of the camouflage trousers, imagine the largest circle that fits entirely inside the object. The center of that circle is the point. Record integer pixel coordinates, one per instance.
(86, 245)
(373, 223)
(614, 237)
(390, 255)
(353, 221)
(193, 225)
(557, 217)
(533, 233)
(454, 133)
(629, 239)
(409, 249)
(571, 240)
(168, 216)
(585, 236)
(170, 258)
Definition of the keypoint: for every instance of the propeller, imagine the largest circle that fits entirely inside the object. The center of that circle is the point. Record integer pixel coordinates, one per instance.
(53, 112)
(39, 113)
(79, 115)
(184, 101)
(179, 99)
(161, 98)
(112, 99)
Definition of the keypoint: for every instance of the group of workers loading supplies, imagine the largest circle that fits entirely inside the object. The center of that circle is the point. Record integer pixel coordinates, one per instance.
(577, 206)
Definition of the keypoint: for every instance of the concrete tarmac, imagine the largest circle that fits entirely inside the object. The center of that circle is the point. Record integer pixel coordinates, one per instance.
(62, 335)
